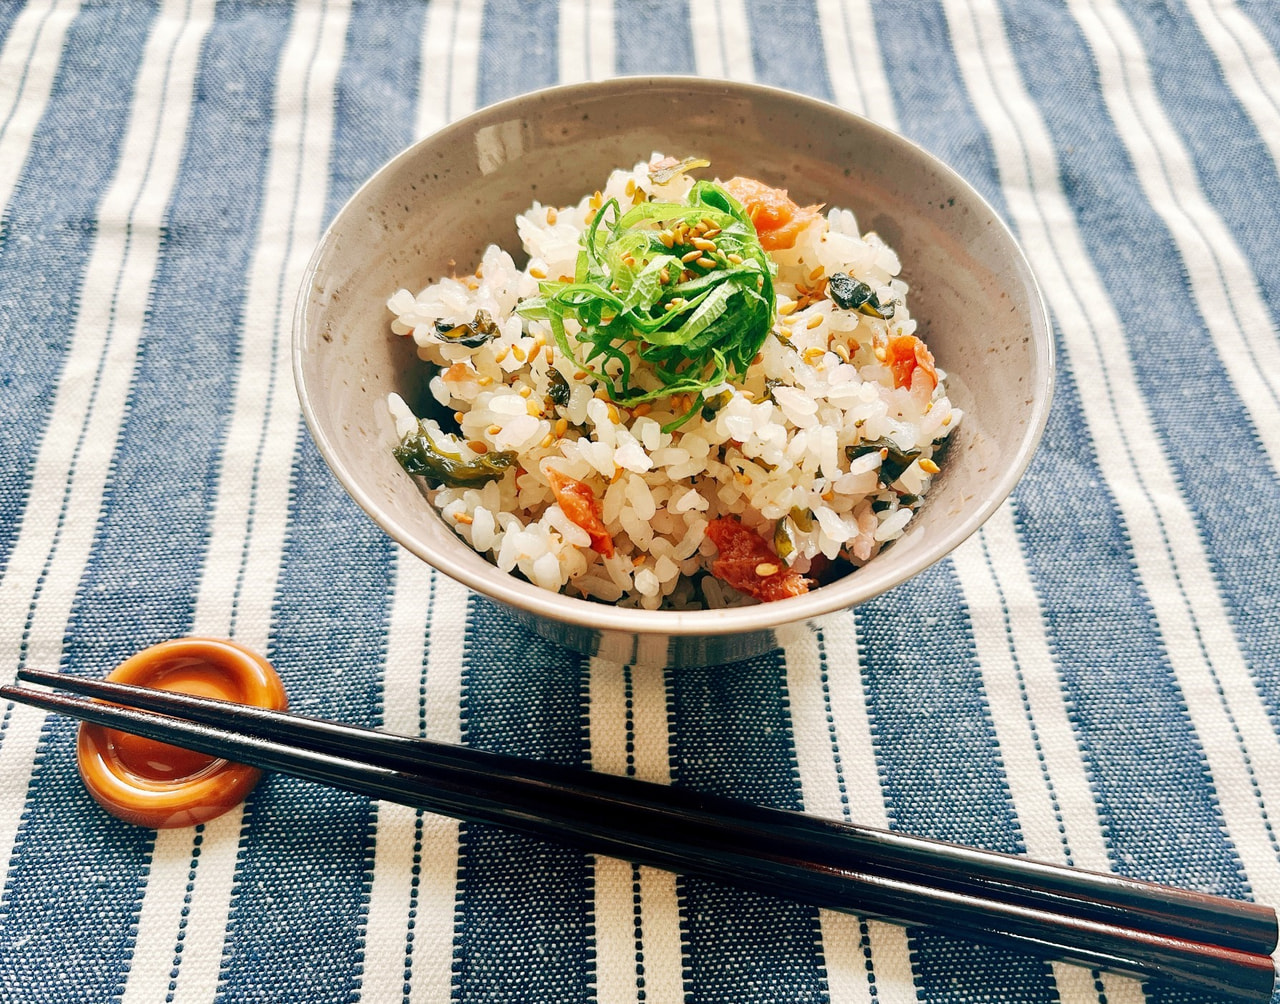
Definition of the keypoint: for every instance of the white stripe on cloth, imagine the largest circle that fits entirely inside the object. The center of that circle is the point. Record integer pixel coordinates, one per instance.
(450, 64)
(585, 40)
(1167, 549)
(409, 940)
(1248, 65)
(28, 65)
(637, 908)
(246, 534)
(856, 74)
(1046, 775)
(722, 40)
(1219, 273)
(49, 555)
(867, 961)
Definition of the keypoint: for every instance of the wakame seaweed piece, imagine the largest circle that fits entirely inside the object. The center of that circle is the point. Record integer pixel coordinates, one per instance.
(893, 462)
(472, 333)
(559, 389)
(849, 293)
(418, 454)
(714, 403)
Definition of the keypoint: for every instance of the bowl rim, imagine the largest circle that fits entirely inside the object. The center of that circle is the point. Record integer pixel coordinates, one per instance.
(841, 594)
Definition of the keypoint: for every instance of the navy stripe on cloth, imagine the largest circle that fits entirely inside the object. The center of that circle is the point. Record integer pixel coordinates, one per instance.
(932, 106)
(731, 736)
(518, 48)
(53, 209)
(140, 583)
(640, 49)
(90, 873)
(344, 603)
(524, 907)
(776, 62)
(940, 764)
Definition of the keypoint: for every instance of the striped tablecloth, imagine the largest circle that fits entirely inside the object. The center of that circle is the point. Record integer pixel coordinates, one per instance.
(1093, 679)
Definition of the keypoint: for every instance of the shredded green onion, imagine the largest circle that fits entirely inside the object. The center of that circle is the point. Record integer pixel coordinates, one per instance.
(695, 321)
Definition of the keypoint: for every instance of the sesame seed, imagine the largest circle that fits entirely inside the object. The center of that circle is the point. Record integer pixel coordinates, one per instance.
(816, 273)
(813, 353)
(519, 353)
(562, 426)
(550, 355)
(631, 186)
(551, 217)
(484, 381)
(580, 376)
(501, 355)
(478, 446)
(537, 273)
(642, 409)
(534, 408)
(458, 417)
(493, 430)
(614, 417)
(765, 569)
(547, 440)
(463, 517)
(637, 561)
(525, 391)
(842, 351)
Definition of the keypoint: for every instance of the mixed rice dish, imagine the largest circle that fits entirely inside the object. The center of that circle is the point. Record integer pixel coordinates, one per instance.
(694, 394)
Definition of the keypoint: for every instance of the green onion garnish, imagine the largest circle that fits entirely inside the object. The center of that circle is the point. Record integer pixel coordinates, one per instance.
(685, 288)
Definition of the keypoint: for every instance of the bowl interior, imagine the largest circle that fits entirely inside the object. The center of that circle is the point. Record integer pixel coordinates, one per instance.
(437, 205)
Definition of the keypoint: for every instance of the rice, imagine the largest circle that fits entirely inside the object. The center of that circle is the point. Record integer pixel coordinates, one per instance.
(821, 448)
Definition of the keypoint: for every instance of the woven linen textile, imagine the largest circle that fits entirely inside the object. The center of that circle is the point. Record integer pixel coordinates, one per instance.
(1092, 679)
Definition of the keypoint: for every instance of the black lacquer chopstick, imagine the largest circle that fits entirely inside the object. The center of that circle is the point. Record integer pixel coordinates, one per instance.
(1100, 920)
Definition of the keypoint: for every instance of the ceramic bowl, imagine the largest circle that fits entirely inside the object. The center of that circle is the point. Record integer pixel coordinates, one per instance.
(444, 199)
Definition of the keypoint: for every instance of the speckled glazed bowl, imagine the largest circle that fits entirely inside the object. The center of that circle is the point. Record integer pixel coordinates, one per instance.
(447, 197)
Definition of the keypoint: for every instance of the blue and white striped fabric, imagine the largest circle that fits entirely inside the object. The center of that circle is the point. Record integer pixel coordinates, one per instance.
(1093, 679)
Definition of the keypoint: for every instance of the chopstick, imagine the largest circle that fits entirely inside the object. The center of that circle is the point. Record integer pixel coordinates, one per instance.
(1106, 921)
